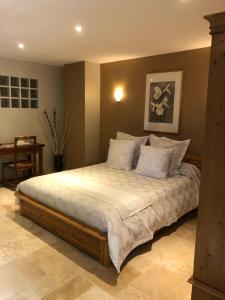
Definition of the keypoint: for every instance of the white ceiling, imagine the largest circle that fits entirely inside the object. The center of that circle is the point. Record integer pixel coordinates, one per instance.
(112, 29)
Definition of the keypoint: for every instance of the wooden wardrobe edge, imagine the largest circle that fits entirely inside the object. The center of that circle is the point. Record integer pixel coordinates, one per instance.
(206, 288)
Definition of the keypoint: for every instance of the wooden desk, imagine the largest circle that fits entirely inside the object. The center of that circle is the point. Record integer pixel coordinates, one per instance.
(8, 149)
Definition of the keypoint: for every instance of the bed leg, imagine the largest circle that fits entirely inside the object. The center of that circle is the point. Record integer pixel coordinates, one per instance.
(104, 254)
(21, 211)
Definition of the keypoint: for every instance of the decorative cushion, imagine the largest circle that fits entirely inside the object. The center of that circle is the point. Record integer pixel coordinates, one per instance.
(154, 162)
(121, 154)
(180, 148)
(139, 140)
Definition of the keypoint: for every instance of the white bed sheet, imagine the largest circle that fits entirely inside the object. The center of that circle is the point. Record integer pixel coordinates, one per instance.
(165, 201)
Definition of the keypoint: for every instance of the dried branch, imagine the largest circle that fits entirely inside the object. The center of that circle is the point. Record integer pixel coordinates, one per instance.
(54, 138)
(66, 138)
(51, 129)
(47, 132)
(49, 122)
(54, 118)
(64, 132)
(55, 131)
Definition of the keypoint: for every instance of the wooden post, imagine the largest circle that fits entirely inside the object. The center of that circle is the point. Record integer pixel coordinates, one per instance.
(209, 268)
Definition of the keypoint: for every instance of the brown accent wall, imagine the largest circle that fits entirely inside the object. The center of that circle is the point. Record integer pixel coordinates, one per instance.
(128, 116)
(74, 97)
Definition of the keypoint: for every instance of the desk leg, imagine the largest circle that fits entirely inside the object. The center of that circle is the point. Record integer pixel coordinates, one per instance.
(41, 161)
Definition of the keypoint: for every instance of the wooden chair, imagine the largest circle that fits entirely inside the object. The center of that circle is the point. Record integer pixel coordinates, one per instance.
(27, 164)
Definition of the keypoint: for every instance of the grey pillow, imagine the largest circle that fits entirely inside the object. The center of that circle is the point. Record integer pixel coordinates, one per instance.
(180, 148)
(121, 154)
(154, 162)
(139, 140)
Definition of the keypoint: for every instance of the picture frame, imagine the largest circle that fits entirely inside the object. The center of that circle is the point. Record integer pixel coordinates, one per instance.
(163, 101)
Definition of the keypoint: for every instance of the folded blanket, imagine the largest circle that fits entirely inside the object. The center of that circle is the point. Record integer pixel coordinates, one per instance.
(127, 203)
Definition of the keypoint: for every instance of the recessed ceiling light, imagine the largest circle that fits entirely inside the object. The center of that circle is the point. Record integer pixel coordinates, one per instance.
(78, 28)
(20, 45)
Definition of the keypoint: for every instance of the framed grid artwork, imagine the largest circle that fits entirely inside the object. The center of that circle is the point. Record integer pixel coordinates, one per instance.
(18, 92)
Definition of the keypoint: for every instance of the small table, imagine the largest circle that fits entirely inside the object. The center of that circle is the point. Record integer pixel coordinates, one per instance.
(9, 149)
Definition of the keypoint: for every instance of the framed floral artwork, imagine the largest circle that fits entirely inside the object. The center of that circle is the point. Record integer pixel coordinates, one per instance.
(163, 101)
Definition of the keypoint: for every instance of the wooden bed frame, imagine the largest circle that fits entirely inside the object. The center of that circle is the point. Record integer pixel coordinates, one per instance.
(85, 237)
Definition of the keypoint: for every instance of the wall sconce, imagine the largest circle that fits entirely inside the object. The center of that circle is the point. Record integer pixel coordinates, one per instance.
(118, 94)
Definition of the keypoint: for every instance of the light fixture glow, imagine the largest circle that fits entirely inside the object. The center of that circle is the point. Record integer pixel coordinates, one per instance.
(118, 94)
(78, 28)
(20, 45)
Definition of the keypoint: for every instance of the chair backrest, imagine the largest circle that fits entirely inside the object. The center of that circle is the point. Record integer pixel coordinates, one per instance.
(25, 141)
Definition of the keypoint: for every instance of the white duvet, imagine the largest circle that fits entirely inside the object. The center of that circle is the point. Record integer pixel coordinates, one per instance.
(129, 207)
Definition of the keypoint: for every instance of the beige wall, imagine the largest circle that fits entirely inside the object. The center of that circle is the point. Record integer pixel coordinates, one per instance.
(128, 116)
(92, 112)
(14, 122)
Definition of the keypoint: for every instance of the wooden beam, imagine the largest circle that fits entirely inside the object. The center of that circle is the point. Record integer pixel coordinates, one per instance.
(217, 22)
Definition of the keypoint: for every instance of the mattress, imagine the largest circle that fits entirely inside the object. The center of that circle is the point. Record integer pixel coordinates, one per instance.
(129, 207)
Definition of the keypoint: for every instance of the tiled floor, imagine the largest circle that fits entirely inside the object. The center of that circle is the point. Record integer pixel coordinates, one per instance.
(35, 264)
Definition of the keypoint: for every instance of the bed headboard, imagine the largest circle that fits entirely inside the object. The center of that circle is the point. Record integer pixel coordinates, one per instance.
(194, 159)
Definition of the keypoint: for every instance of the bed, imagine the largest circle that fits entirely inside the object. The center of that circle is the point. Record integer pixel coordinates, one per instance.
(107, 212)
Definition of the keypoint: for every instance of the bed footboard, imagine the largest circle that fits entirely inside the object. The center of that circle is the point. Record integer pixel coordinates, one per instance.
(86, 238)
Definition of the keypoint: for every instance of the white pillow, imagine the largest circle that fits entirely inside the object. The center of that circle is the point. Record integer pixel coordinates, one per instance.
(180, 148)
(154, 162)
(139, 140)
(121, 154)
